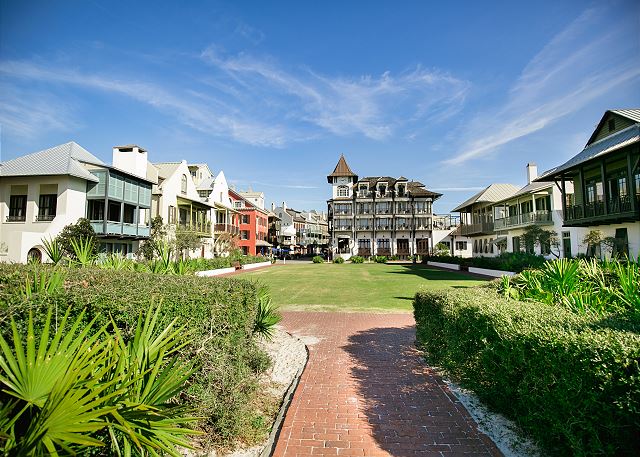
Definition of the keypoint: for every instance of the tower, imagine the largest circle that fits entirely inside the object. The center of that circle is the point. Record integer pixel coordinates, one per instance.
(342, 180)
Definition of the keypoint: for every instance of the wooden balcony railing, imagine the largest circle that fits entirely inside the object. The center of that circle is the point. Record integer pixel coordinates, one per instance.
(364, 252)
(616, 207)
(537, 217)
(383, 251)
(477, 228)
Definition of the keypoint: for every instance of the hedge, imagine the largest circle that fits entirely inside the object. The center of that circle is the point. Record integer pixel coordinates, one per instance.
(220, 316)
(508, 261)
(571, 381)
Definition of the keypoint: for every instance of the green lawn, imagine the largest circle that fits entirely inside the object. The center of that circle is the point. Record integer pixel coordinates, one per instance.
(349, 287)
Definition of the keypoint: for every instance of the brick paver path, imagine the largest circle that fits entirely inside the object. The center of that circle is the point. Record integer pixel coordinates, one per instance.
(366, 391)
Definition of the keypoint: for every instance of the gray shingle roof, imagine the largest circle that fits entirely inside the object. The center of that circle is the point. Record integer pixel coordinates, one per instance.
(600, 148)
(64, 159)
(490, 194)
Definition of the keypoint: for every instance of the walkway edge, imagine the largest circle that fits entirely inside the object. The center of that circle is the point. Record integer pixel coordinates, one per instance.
(270, 446)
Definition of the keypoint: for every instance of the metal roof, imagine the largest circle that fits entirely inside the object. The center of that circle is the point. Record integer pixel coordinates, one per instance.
(633, 114)
(490, 194)
(600, 148)
(64, 159)
(529, 189)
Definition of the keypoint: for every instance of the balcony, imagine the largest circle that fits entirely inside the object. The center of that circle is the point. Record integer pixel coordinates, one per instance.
(383, 211)
(342, 212)
(45, 217)
(520, 220)
(363, 228)
(403, 227)
(228, 228)
(342, 228)
(383, 227)
(618, 209)
(364, 194)
(364, 252)
(383, 251)
(202, 228)
(120, 229)
(478, 228)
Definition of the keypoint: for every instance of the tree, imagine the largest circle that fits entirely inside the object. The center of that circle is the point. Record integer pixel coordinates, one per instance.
(593, 241)
(547, 240)
(441, 249)
(158, 232)
(225, 243)
(80, 230)
(186, 240)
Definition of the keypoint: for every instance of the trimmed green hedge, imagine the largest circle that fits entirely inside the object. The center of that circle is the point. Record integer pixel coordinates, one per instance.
(508, 261)
(220, 315)
(571, 381)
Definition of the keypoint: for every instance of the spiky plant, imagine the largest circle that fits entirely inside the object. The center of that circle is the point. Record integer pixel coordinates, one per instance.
(267, 315)
(83, 248)
(54, 250)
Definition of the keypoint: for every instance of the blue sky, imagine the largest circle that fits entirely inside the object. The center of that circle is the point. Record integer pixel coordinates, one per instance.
(454, 95)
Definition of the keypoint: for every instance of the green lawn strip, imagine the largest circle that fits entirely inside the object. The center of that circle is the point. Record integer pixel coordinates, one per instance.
(349, 287)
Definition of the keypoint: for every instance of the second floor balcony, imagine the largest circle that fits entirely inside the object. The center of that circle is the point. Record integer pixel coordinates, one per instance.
(228, 228)
(539, 217)
(618, 209)
(483, 227)
(123, 229)
(201, 228)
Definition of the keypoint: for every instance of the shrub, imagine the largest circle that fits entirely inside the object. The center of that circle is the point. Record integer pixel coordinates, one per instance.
(318, 259)
(84, 388)
(338, 260)
(80, 230)
(267, 316)
(356, 259)
(572, 381)
(508, 261)
(220, 313)
(380, 259)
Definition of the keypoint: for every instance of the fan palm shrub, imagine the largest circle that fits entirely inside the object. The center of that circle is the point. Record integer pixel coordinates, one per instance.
(83, 387)
(84, 251)
(267, 315)
(53, 249)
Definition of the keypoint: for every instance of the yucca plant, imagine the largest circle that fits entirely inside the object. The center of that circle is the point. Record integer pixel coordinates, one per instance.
(43, 282)
(53, 248)
(561, 277)
(267, 315)
(183, 267)
(164, 263)
(83, 248)
(628, 290)
(116, 261)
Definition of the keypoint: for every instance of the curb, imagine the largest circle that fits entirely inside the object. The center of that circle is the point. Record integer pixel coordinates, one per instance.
(270, 445)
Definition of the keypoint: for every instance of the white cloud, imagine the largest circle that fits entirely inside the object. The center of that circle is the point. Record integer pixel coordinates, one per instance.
(376, 107)
(575, 68)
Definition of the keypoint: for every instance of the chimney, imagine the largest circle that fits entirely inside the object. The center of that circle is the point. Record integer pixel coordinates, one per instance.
(273, 207)
(532, 172)
(284, 206)
(131, 158)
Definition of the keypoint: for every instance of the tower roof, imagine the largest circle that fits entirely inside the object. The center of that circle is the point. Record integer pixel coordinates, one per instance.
(342, 170)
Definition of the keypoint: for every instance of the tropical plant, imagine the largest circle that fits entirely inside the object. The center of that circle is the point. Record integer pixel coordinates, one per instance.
(83, 387)
(43, 282)
(183, 267)
(441, 249)
(338, 260)
(546, 240)
(82, 229)
(380, 259)
(267, 315)
(185, 240)
(163, 264)
(158, 231)
(53, 249)
(318, 259)
(116, 261)
(356, 259)
(84, 251)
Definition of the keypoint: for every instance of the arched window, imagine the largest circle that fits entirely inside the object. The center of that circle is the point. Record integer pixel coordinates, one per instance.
(34, 255)
(183, 186)
(343, 191)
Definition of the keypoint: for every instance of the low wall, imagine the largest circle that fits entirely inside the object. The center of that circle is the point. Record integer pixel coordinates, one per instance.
(488, 272)
(251, 266)
(219, 271)
(448, 266)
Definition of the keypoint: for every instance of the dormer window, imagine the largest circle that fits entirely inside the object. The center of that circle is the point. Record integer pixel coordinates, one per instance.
(382, 189)
(401, 190)
(611, 124)
(343, 191)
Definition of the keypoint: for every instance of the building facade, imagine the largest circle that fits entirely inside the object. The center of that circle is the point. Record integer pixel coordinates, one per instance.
(380, 215)
(41, 193)
(600, 185)
(254, 225)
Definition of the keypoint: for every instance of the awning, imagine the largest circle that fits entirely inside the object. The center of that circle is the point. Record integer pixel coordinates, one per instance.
(263, 243)
(500, 239)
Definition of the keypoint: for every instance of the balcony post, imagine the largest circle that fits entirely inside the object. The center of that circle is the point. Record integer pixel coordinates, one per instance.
(533, 214)
(563, 193)
(583, 188)
(105, 210)
(632, 183)
(604, 187)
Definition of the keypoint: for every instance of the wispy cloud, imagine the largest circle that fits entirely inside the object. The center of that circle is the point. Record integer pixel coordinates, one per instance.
(457, 189)
(581, 63)
(376, 107)
(205, 117)
(276, 185)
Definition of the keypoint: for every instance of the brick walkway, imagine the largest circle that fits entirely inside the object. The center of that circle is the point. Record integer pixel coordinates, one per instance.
(367, 392)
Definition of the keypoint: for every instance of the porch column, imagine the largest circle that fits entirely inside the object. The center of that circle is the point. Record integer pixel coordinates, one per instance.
(533, 201)
(583, 189)
(632, 183)
(564, 199)
(603, 176)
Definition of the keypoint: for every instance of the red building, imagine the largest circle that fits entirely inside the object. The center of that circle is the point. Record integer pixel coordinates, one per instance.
(254, 226)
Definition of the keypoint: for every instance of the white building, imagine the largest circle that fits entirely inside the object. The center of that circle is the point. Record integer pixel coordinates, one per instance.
(378, 215)
(41, 193)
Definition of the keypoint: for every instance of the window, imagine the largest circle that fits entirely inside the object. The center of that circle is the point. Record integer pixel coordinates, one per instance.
(475, 245)
(113, 214)
(364, 244)
(383, 243)
(611, 125)
(516, 243)
(172, 214)
(47, 207)
(343, 191)
(244, 234)
(96, 210)
(183, 185)
(129, 216)
(621, 246)
(401, 190)
(566, 244)
(245, 219)
(491, 245)
(461, 245)
(17, 208)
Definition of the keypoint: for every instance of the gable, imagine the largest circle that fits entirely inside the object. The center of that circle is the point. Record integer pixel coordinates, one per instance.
(610, 123)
